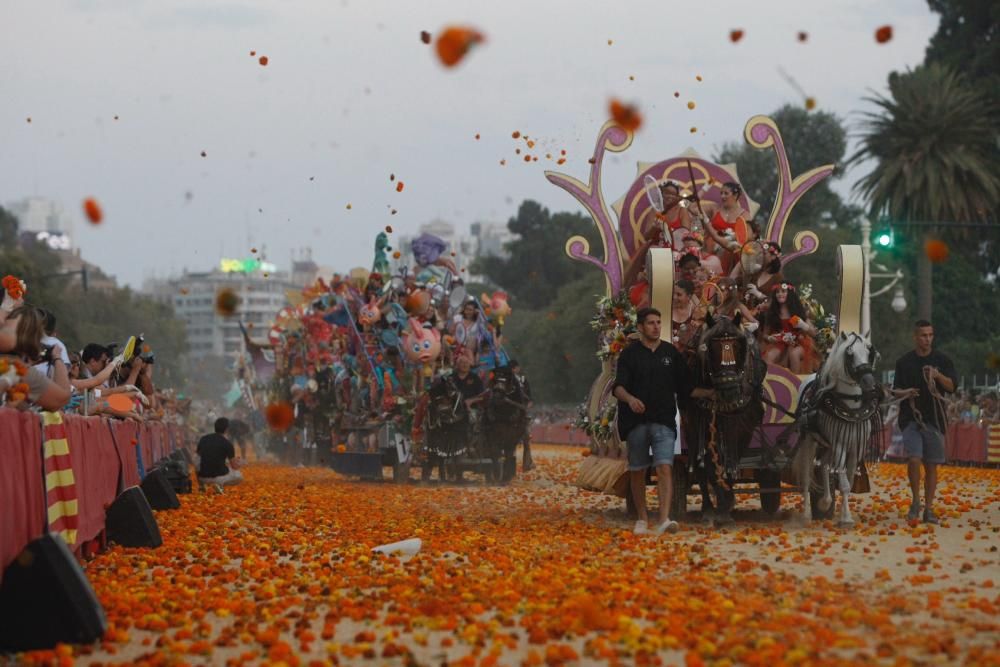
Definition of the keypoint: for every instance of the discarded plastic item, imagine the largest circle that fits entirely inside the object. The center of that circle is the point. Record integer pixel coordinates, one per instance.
(408, 547)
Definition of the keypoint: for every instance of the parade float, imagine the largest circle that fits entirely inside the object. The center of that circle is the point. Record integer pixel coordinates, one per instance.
(762, 454)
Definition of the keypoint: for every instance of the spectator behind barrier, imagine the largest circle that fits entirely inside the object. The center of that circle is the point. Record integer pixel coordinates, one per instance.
(21, 330)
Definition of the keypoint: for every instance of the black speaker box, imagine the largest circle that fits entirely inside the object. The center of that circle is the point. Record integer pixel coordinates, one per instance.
(182, 454)
(159, 492)
(130, 521)
(45, 599)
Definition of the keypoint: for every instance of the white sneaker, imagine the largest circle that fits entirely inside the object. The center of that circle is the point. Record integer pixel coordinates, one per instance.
(641, 528)
(668, 526)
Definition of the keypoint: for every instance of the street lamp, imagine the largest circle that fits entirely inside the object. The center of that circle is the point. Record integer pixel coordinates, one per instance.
(898, 298)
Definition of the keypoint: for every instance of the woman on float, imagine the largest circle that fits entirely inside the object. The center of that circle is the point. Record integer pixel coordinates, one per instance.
(669, 223)
(727, 226)
(788, 334)
(694, 244)
(659, 230)
(685, 320)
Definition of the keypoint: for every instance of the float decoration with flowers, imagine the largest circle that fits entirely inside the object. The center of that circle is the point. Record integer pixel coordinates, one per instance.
(623, 240)
(12, 372)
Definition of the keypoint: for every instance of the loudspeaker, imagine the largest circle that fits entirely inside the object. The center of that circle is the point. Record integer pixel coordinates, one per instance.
(45, 599)
(130, 521)
(159, 492)
(183, 454)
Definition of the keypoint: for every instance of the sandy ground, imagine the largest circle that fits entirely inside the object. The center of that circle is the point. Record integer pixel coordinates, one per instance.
(279, 571)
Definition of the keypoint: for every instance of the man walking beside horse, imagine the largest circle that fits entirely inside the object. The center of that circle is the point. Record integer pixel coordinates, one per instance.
(922, 375)
(651, 377)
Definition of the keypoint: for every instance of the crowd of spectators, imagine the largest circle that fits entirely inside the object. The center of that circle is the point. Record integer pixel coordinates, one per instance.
(973, 407)
(40, 371)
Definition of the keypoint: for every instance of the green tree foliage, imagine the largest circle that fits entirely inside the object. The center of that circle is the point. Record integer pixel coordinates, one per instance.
(968, 40)
(537, 266)
(555, 344)
(812, 139)
(932, 142)
(93, 316)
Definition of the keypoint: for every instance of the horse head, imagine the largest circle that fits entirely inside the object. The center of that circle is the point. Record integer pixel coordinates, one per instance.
(853, 360)
(731, 361)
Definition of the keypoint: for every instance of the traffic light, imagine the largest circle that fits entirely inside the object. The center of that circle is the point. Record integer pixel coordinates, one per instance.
(885, 238)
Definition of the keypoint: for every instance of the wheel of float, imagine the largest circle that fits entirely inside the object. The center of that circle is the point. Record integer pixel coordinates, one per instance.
(769, 479)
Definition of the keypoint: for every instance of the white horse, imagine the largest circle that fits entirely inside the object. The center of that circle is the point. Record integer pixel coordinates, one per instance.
(839, 419)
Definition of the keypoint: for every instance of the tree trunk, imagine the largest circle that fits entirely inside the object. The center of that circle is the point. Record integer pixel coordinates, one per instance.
(925, 281)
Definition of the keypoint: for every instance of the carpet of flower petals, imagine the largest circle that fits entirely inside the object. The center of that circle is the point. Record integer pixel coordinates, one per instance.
(280, 571)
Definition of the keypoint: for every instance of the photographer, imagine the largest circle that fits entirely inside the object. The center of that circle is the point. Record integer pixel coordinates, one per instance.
(49, 343)
(21, 331)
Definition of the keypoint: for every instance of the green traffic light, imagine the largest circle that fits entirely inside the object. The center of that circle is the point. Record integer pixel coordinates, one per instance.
(884, 239)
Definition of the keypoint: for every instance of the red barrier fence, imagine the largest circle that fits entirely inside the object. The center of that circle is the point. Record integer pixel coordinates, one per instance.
(68, 479)
(559, 434)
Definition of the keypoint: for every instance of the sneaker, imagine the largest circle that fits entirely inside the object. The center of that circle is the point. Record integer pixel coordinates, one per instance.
(641, 528)
(931, 517)
(914, 513)
(668, 526)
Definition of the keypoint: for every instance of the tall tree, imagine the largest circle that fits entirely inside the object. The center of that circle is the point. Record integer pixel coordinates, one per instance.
(935, 157)
(537, 266)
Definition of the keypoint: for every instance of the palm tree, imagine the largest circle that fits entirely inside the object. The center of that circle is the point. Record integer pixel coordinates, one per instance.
(937, 157)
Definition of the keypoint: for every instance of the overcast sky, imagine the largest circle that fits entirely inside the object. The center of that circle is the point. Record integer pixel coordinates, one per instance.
(350, 95)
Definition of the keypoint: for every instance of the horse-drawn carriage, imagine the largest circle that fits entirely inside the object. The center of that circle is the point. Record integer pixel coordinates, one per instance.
(460, 438)
(745, 439)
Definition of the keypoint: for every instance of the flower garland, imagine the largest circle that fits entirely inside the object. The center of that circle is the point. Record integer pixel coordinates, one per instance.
(825, 323)
(613, 322)
(11, 372)
(14, 286)
(600, 428)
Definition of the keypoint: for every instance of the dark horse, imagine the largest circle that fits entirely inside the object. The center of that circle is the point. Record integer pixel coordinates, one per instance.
(447, 425)
(506, 413)
(728, 360)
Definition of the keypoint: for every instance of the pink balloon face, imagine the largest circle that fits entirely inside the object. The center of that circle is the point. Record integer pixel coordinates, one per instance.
(369, 313)
(497, 304)
(420, 344)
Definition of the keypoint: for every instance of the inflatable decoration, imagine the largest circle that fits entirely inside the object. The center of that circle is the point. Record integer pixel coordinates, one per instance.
(422, 346)
(496, 306)
(381, 263)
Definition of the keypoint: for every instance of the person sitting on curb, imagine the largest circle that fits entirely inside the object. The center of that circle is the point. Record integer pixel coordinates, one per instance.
(214, 450)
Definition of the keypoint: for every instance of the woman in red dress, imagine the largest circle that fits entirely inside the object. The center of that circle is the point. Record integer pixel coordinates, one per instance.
(727, 226)
(788, 334)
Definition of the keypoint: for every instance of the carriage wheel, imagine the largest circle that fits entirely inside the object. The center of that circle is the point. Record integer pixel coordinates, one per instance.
(769, 479)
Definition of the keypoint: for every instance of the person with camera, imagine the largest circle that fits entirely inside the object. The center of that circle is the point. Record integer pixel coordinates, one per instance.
(21, 330)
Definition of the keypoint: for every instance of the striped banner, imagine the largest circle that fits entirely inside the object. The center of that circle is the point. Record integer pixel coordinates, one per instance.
(993, 444)
(60, 485)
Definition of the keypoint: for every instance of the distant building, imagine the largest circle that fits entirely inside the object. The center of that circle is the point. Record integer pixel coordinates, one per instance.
(259, 285)
(37, 214)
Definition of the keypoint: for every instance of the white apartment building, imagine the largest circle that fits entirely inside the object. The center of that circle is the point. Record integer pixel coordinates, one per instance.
(259, 286)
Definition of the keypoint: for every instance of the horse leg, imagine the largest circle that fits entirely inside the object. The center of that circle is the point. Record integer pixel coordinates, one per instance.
(803, 466)
(846, 521)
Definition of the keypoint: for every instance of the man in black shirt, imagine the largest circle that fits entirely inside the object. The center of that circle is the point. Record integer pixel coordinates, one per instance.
(214, 450)
(922, 375)
(651, 376)
(470, 384)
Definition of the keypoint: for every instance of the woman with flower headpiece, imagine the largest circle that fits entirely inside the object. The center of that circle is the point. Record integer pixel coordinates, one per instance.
(788, 334)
